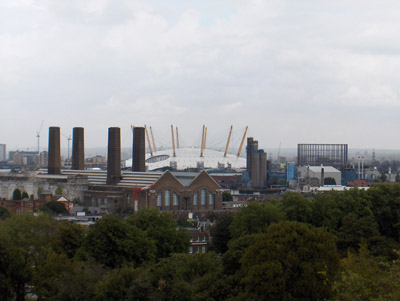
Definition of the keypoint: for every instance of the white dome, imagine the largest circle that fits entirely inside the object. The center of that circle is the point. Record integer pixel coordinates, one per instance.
(189, 158)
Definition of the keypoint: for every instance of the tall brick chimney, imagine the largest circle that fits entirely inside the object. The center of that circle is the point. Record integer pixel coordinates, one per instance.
(54, 163)
(78, 149)
(114, 156)
(139, 149)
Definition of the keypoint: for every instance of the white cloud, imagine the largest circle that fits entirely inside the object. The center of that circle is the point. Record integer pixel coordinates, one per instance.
(275, 65)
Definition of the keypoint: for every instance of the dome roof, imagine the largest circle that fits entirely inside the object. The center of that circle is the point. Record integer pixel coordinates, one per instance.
(190, 158)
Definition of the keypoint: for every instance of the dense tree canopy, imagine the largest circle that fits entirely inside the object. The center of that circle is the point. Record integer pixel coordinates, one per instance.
(254, 218)
(283, 250)
(291, 261)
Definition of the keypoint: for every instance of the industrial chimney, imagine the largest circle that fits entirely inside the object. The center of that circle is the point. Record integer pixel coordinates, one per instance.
(78, 149)
(54, 161)
(114, 156)
(139, 149)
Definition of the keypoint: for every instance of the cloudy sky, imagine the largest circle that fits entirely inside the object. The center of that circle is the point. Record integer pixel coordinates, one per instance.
(293, 71)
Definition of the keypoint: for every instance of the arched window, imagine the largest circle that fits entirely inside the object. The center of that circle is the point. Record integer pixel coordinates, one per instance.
(203, 196)
(196, 198)
(159, 199)
(175, 199)
(167, 197)
(210, 198)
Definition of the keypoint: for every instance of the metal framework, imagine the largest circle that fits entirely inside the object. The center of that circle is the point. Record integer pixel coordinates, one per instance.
(335, 155)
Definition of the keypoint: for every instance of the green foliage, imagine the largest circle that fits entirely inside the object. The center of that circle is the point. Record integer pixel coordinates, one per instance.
(254, 218)
(17, 195)
(24, 195)
(385, 201)
(59, 190)
(162, 229)
(363, 277)
(22, 237)
(53, 207)
(114, 242)
(296, 207)
(177, 277)
(68, 238)
(39, 191)
(353, 230)
(126, 283)
(4, 213)
(227, 196)
(383, 177)
(291, 261)
(220, 232)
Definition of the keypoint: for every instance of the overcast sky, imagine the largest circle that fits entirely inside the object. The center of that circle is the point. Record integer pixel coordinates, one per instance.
(293, 71)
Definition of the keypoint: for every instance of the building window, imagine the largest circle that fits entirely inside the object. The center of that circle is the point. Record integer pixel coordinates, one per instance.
(159, 199)
(167, 197)
(203, 249)
(210, 198)
(191, 250)
(175, 199)
(203, 196)
(196, 198)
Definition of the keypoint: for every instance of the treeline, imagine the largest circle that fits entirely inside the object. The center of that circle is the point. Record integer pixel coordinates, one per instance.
(336, 246)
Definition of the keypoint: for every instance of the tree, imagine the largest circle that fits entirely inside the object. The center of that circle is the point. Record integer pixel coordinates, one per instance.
(25, 195)
(162, 229)
(22, 237)
(296, 207)
(220, 233)
(177, 276)
(397, 179)
(17, 195)
(59, 190)
(254, 218)
(67, 238)
(291, 261)
(126, 283)
(114, 242)
(39, 191)
(329, 181)
(385, 200)
(355, 229)
(363, 277)
(383, 177)
(227, 196)
(4, 213)
(54, 207)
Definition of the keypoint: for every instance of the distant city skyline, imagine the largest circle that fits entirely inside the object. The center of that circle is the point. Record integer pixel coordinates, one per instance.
(294, 72)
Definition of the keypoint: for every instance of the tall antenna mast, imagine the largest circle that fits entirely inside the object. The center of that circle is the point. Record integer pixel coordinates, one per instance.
(227, 143)
(148, 140)
(173, 140)
(202, 142)
(177, 138)
(241, 144)
(152, 138)
(38, 137)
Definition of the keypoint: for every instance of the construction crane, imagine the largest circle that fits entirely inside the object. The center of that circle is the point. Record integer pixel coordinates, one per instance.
(69, 140)
(38, 137)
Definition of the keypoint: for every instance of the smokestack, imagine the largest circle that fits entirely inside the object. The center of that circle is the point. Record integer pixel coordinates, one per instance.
(114, 156)
(139, 149)
(322, 176)
(54, 163)
(78, 149)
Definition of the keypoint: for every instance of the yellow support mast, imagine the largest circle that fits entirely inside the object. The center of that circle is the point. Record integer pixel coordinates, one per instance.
(241, 144)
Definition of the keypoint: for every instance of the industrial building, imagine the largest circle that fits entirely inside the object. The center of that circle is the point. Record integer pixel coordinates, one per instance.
(256, 164)
(335, 155)
(315, 175)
